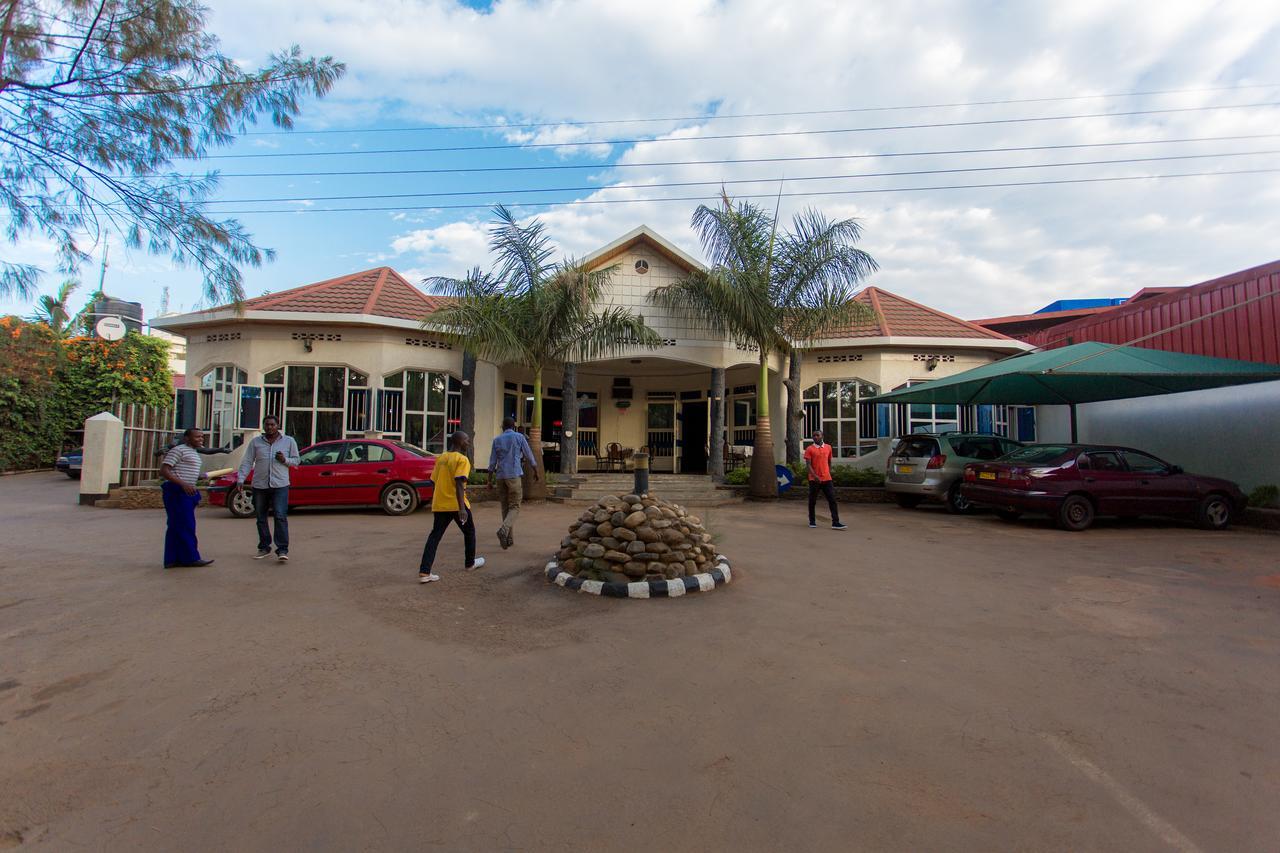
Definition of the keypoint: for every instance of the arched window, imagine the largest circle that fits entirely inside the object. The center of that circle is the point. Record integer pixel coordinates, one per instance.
(837, 408)
(431, 408)
(317, 402)
(218, 403)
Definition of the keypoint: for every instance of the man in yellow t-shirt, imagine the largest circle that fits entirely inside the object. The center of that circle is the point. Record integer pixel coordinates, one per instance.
(449, 505)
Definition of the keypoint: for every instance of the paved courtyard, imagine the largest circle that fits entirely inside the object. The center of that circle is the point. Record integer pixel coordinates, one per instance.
(919, 682)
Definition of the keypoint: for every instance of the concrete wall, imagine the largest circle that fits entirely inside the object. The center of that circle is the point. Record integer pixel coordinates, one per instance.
(1224, 432)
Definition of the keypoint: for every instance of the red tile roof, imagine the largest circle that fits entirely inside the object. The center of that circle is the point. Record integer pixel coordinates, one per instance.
(380, 291)
(898, 316)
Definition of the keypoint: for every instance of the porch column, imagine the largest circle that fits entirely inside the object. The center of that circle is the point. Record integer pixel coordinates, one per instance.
(569, 420)
(716, 466)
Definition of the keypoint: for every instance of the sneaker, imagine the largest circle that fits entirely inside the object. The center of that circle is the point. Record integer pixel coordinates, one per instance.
(262, 554)
(428, 578)
(813, 524)
(477, 564)
(839, 526)
(282, 558)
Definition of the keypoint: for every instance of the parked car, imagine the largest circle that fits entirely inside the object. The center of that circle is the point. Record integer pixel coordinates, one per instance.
(1075, 483)
(356, 472)
(71, 463)
(930, 466)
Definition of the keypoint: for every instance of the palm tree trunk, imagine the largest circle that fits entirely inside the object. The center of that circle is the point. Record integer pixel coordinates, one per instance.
(569, 420)
(764, 483)
(795, 408)
(536, 489)
(717, 425)
(468, 414)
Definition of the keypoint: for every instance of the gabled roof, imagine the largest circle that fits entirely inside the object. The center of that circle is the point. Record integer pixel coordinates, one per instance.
(644, 235)
(899, 317)
(380, 292)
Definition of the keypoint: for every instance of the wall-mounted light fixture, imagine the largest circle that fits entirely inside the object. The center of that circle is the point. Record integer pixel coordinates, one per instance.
(932, 363)
(306, 344)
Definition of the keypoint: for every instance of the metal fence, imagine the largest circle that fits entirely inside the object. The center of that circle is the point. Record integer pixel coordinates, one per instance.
(147, 430)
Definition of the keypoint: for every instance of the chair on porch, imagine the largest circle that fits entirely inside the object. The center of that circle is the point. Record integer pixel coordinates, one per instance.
(605, 462)
(616, 456)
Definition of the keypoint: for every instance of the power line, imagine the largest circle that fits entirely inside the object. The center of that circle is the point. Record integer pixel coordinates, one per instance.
(454, 193)
(734, 161)
(790, 114)
(488, 205)
(757, 135)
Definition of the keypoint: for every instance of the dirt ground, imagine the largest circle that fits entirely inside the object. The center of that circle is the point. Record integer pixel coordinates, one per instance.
(918, 682)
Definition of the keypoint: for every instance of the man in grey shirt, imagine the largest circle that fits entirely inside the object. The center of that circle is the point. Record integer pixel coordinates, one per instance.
(270, 455)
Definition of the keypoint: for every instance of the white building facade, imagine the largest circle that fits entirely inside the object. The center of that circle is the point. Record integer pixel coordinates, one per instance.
(349, 357)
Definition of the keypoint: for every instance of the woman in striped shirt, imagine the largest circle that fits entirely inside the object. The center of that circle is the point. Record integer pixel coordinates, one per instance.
(180, 471)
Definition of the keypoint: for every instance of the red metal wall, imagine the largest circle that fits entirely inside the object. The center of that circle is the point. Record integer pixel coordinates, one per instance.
(1250, 332)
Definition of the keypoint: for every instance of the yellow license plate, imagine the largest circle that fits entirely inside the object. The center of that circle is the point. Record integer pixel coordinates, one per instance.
(986, 475)
(906, 469)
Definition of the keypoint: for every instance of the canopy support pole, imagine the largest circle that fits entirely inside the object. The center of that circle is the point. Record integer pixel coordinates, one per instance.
(1074, 437)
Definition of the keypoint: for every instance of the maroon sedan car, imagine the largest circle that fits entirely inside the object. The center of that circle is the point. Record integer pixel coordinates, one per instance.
(1074, 483)
(355, 472)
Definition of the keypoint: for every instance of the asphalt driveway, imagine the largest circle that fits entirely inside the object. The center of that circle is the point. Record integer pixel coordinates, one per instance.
(918, 682)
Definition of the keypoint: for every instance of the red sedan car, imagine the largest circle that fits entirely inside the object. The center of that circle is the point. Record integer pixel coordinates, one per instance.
(354, 472)
(1074, 483)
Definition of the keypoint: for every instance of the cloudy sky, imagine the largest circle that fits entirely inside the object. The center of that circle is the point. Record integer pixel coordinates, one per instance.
(643, 89)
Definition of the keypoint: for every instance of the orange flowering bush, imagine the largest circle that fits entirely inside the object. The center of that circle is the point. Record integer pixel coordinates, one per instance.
(49, 386)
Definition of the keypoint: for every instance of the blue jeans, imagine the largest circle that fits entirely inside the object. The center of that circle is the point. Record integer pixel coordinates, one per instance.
(180, 545)
(277, 500)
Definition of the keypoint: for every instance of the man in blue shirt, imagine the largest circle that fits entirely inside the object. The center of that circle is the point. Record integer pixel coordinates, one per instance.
(270, 455)
(506, 463)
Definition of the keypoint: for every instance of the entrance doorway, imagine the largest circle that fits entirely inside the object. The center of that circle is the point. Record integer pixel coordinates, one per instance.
(694, 432)
(660, 436)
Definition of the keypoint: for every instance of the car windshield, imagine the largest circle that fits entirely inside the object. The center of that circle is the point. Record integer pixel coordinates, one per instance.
(416, 451)
(1037, 454)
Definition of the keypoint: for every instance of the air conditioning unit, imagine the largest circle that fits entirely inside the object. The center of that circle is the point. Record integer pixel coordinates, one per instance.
(620, 392)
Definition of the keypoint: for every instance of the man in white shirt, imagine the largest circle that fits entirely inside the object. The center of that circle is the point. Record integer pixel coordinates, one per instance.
(180, 471)
(271, 455)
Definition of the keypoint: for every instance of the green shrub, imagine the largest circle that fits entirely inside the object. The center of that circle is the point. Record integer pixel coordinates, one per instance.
(1265, 496)
(841, 475)
(738, 477)
(844, 476)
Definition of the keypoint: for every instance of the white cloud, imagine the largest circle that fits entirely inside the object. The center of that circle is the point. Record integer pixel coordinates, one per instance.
(974, 252)
(452, 249)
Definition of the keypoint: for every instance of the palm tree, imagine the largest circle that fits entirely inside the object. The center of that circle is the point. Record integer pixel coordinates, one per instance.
(531, 311)
(774, 291)
(55, 311)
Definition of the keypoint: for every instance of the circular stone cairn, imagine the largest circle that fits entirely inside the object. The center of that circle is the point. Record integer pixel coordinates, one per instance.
(628, 539)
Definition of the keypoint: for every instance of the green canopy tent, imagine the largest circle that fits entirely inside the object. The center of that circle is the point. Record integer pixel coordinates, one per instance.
(1084, 373)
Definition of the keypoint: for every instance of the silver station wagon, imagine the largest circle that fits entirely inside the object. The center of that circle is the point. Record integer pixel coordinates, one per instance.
(930, 466)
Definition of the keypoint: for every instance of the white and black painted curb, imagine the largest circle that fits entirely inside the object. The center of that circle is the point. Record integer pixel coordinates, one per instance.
(702, 582)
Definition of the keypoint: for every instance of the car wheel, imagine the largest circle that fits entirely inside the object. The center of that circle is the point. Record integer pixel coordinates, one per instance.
(1076, 513)
(1214, 513)
(956, 502)
(907, 501)
(240, 502)
(399, 499)
(1008, 514)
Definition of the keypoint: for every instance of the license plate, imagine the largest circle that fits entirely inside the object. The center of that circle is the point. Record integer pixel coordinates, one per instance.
(906, 469)
(986, 475)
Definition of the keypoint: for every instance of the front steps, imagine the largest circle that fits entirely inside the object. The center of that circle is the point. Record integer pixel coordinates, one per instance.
(685, 489)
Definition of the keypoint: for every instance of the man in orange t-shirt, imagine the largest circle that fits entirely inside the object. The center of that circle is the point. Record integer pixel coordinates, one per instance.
(817, 457)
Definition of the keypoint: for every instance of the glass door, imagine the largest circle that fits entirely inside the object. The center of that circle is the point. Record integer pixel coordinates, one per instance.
(661, 436)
